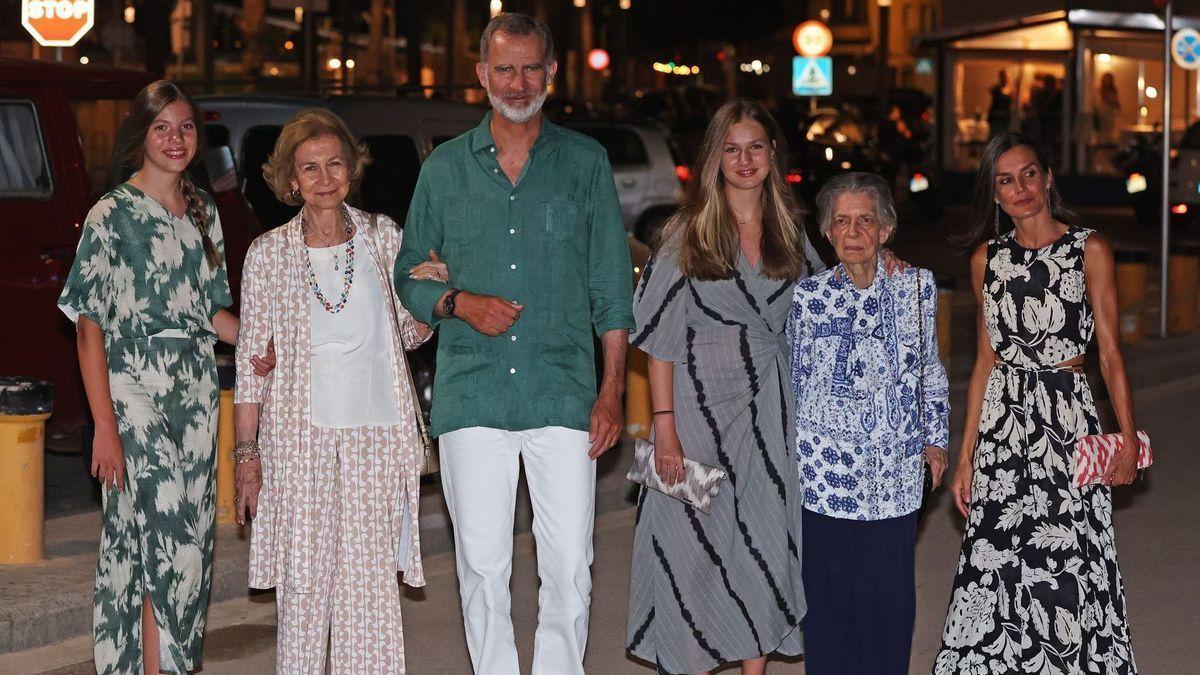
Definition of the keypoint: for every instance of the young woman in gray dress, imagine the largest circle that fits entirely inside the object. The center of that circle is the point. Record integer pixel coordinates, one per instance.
(711, 309)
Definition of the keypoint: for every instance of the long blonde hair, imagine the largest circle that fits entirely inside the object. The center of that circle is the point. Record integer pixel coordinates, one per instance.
(704, 225)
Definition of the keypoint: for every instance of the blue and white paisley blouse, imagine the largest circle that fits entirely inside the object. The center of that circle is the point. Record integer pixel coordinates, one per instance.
(859, 360)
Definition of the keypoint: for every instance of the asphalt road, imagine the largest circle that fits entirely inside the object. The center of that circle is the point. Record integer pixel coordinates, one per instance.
(1157, 545)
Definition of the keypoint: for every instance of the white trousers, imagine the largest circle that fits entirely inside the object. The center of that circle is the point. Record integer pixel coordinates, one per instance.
(479, 469)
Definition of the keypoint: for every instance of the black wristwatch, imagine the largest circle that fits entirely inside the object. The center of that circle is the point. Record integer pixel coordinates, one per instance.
(449, 301)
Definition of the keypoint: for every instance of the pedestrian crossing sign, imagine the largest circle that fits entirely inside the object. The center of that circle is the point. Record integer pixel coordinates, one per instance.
(812, 75)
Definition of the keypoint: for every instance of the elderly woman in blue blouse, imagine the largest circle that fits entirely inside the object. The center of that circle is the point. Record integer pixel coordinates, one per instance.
(871, 407)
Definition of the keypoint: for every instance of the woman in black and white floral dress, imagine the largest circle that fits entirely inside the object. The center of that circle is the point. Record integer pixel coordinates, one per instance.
(1038, 588)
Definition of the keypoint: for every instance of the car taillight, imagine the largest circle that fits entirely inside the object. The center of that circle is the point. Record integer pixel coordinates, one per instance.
(794, 177)
(1179, 209)
(211, 116)
(683, 173)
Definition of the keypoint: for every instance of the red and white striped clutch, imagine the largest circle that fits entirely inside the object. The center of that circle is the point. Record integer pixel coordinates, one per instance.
(1094, 454)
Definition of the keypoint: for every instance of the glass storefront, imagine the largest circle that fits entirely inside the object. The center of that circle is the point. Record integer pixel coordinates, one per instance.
(1082, 87)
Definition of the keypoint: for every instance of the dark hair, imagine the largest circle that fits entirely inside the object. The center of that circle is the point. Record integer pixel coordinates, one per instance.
(515, 23)
(129, 153)
(987, 220)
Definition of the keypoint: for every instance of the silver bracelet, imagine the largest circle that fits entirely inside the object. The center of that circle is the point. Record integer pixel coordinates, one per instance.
(245, 451)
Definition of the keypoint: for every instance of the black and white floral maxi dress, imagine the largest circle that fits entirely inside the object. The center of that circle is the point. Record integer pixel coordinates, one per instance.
(1038, 589)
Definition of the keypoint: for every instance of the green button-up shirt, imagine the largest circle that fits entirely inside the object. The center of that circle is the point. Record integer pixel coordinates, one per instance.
(554, 242)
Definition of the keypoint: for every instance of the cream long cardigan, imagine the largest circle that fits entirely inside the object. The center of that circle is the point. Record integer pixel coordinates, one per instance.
(275, 304)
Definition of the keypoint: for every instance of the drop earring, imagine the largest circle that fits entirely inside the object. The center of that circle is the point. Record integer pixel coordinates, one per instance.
(996, 223)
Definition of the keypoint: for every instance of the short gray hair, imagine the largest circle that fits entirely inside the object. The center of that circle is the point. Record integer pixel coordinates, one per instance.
(515, 23)
(858, 182)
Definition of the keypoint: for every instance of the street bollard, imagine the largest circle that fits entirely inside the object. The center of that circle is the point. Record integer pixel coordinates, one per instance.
(1183, 313)
(637, 395)
(1133, 269)
(25, 405)
(637, 377)
(945, 316)
(226, 487)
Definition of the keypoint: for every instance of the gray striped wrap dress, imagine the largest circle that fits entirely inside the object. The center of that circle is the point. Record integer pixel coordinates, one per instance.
(708, 589)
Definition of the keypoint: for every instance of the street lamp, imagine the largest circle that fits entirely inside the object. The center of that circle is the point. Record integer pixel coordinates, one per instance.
(625, 4)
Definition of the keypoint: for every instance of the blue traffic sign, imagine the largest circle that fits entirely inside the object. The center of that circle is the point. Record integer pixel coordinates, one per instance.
(812, 75)
(1185, 48)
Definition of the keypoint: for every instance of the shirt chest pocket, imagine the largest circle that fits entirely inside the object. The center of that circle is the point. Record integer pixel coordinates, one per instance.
(562, 221)
(462, 222)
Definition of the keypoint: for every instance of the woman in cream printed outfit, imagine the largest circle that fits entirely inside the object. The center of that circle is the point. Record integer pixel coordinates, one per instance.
(329, 446)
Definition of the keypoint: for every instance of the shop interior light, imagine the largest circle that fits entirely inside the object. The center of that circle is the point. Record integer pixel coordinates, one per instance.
(130, 13)
(853, 70)
(828, 154)
(334, 64)
(84, 60)
(1179, 209)
(495, 7)
(350, 64)
(626, 4)
(1151, 92)
(1104, 58)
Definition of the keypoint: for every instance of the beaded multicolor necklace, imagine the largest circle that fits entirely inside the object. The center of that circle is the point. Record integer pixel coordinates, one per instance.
(347, 275)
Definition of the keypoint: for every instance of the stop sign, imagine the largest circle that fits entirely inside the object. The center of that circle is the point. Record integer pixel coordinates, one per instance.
(58, 23)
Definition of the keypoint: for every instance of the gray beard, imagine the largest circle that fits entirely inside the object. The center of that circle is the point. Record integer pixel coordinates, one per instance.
(518, 115)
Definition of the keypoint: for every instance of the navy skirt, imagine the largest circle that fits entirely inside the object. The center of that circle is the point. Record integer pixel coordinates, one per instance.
(859, 581)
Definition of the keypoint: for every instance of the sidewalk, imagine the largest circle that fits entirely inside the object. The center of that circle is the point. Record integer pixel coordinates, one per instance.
(51, 602)
(1158, 581)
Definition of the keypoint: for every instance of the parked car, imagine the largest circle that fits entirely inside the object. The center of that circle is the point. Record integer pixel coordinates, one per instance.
(649, 170)
(58, 124)
(400, 132)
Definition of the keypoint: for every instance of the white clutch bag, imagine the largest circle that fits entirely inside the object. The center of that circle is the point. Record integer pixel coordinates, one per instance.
(698, 487)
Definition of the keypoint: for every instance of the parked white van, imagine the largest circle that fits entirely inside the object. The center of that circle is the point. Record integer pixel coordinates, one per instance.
(400, 133)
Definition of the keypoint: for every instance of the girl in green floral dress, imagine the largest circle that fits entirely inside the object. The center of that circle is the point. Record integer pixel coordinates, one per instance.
(148, 291)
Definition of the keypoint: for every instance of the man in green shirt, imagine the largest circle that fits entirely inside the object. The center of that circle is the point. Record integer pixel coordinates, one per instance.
(525, 215)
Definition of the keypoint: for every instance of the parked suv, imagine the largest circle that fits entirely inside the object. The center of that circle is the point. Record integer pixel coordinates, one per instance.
(648, 168)
(58, 124)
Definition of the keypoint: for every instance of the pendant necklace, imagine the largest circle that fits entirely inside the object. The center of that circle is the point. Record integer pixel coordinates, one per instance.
(347, 276)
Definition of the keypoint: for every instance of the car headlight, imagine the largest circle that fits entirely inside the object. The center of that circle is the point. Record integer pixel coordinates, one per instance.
(1135, 183)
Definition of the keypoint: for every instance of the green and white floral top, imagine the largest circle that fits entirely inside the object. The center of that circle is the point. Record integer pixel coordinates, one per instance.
(140, 270)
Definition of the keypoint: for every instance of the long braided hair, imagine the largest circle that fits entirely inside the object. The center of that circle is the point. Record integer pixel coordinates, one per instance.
(128, 152)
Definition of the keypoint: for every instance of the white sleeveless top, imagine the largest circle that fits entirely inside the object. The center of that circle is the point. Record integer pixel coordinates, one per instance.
(351, 368)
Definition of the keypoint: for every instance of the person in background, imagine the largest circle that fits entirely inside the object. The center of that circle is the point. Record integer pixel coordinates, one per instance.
(1038, 588)
(148, 292)
(871, 408)
(329, 447)
(712, 588)
(999, 114)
